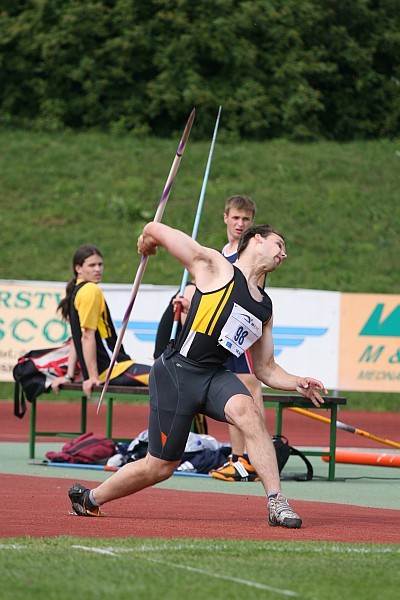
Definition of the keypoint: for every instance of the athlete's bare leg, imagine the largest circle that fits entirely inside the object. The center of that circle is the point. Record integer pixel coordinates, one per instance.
(247, 417)
(133, 477)
(254, 387)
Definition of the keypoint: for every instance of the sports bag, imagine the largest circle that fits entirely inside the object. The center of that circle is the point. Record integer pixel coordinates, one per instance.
(34, 373)
(283, 452)
(88, 448)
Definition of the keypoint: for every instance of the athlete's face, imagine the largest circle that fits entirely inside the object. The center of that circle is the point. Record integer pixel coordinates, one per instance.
(91, 270)
(237, 221)
(274, 250)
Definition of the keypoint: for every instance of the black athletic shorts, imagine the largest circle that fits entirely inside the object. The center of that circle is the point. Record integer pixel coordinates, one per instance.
(179, 389)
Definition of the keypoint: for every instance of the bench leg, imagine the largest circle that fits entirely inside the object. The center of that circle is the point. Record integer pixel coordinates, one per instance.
(109, 422)
(279, 418)
(83, 414)
(32, 429)
(332, 444)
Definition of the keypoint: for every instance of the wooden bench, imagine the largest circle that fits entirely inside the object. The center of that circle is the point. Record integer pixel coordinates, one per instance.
(280, 401)
(75, 390)
(331, 403)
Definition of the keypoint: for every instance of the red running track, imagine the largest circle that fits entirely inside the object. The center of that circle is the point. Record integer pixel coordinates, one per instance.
(42, 510)
(164, 513)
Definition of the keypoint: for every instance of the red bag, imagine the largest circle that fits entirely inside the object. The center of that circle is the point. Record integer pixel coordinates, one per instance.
(88, 448)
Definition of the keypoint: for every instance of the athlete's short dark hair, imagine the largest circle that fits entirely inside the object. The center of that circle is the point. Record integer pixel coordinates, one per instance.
(263, 230)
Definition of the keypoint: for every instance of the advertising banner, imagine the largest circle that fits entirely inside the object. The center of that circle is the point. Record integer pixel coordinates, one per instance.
(306, 332)
(29, 318)
(370, 343)
(349, 341)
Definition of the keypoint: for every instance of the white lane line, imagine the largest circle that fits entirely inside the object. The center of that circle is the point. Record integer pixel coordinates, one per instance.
(97, 550)
(271, 547)
(253, 584)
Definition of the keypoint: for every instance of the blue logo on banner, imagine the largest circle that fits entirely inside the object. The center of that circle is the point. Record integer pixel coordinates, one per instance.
(144, 331)
(284, 337)
(291, 337)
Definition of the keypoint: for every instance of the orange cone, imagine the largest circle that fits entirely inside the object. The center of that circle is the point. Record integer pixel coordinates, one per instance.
(378, 459)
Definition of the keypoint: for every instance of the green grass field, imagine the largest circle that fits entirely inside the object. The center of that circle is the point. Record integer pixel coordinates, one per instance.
(336, 203)
(150, 569)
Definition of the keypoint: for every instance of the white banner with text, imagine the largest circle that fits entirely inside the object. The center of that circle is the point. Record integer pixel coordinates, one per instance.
(349, 341)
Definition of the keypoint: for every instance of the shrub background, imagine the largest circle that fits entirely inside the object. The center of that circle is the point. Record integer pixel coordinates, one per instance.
(281, 68)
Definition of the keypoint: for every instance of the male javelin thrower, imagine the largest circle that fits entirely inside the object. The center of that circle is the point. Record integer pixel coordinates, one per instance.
(229, 313)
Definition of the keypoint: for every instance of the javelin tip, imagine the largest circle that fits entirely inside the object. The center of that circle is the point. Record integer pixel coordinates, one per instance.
(185, 135)
(189, 123)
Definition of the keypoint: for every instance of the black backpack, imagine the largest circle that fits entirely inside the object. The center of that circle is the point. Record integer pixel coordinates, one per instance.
(34, 373)
(283, 452)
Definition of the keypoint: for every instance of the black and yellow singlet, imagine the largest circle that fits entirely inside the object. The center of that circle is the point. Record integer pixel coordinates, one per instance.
(88, 309)
(221, 315)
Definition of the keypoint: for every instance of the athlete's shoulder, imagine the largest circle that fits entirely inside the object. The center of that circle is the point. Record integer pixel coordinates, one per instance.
(212, 257)
(90, 289)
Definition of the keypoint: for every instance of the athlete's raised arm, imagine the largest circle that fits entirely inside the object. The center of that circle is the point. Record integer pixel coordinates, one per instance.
(207, 266)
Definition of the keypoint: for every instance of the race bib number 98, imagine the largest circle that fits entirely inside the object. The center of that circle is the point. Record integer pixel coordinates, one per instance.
(240, 331)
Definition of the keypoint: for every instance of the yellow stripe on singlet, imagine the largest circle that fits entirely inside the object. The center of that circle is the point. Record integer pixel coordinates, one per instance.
(210, 307)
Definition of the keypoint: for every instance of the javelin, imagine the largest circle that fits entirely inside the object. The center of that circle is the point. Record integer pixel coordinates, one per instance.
(345, 427)
(144, 259)
(196, 224)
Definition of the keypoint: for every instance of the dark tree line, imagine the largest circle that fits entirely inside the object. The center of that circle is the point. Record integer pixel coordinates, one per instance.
(301, 69)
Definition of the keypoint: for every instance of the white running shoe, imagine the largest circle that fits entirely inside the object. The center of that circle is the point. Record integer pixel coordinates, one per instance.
(281, 515)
